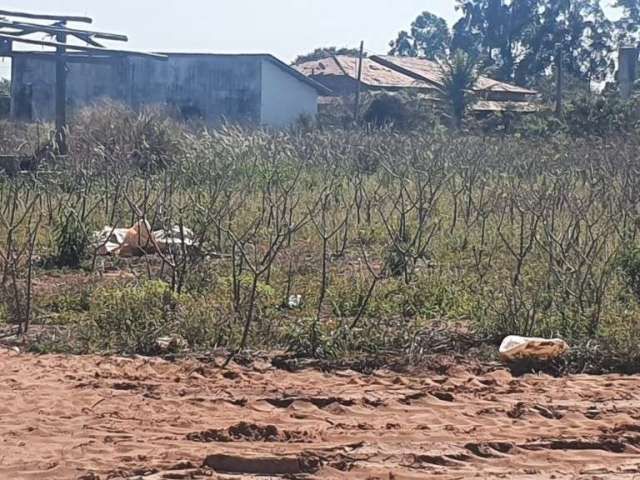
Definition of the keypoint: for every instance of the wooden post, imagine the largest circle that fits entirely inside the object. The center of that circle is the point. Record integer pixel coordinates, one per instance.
(559, 74)
(55, 18)
(61, 94)
(356, 112)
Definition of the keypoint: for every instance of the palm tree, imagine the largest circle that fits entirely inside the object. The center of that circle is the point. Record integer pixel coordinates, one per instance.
(459, 75)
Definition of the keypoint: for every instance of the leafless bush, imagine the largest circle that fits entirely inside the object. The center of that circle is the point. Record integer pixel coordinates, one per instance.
(373, 230)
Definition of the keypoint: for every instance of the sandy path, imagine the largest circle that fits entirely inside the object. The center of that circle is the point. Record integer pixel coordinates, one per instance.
(90, 417)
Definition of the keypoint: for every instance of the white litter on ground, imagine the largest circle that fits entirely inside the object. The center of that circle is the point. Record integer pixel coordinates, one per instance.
(519, 348)
(295, 301)
(139, 239)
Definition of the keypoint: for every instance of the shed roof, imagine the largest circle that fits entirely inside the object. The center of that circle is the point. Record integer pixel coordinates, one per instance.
(430, 71)
(496, 106)
(374, 74)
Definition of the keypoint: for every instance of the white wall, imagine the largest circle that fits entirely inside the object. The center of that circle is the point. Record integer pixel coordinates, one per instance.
(284, 97)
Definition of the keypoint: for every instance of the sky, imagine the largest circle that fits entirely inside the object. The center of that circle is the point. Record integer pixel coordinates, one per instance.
(285, 28)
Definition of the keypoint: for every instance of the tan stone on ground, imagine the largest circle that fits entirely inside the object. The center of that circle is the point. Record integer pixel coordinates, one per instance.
(91, 417)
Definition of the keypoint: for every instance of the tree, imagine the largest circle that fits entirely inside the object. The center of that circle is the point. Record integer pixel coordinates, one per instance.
(518, 38)
(320, 53)
(429, 38)
(459, 75)
(589, 45)
(628, 25)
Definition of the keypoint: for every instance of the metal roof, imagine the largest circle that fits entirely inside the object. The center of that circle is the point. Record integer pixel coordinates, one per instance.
(495, 106)
(431, 72)
(373, 73)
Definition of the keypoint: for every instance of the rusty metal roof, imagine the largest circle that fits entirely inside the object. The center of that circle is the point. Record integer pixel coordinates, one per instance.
(431, 72)
(495, 106)
(374, 74)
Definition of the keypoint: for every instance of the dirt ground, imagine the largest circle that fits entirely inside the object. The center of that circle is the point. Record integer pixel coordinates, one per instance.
(92, 417)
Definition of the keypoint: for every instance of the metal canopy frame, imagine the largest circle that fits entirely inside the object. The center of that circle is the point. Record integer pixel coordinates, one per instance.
(14, 30)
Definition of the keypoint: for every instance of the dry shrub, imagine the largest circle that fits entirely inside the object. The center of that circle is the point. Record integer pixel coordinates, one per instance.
(111, 134)
(381, 232)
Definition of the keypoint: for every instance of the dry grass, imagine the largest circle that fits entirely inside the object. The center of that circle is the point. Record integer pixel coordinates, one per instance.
(383, 235)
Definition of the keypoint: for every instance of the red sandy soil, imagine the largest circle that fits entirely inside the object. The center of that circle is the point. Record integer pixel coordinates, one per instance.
(110, 418)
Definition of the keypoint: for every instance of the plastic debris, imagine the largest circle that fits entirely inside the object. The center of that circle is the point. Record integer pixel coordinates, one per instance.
(295, 301)
(522, 348)
(139, 240)
(172, 344)
(175, 236)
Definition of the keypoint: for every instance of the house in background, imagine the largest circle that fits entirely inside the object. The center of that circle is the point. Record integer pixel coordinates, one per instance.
(340, 74)
(392, 74)
(247, 89)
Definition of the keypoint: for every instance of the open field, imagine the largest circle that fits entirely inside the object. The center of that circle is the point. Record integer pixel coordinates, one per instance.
(359, 250)
(324, 271)
(380, 238)
(64, 417)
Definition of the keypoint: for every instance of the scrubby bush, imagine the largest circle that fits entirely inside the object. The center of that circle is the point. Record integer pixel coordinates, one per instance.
(111, 135)
(72, 240)
(387, 111)
(386, 235)
(629, 263)
(602, 115)
(130, 319)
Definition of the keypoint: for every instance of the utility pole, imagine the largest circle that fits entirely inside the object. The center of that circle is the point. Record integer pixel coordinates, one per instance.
(356, 112)
(559, 74)
(61, 92)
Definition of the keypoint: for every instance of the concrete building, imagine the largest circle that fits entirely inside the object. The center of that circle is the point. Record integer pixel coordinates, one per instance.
(392, 74)
(245, 89)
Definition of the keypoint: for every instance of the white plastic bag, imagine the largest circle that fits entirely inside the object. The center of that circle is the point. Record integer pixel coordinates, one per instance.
(517, 348)
(295, 301)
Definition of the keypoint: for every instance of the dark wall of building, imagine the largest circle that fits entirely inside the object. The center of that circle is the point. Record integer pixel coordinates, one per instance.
(207, 87)
(340, 85)
(33, 85)
(5, 106)
(201, 86)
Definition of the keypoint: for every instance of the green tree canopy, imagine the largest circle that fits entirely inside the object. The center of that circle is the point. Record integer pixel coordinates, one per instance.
(628, 25)
(517, 39)
(429, 38)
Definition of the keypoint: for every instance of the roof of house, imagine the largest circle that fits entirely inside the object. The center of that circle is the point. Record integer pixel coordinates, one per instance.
(373, 73)
(430, 71)
(495, 106)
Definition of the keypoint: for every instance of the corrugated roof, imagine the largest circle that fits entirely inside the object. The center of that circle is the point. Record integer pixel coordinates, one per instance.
(374, 74)
(494, 106)
(431, 72)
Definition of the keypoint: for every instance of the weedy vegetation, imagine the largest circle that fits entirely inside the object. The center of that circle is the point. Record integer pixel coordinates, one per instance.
(398, 243)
